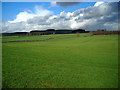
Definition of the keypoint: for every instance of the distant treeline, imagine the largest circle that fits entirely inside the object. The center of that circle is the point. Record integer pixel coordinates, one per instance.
(105, 32)
(52, 31)
(45, 32)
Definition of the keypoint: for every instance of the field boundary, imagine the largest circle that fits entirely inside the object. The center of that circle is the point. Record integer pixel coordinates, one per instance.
(27, 40)
(34, 40)
(44, 39)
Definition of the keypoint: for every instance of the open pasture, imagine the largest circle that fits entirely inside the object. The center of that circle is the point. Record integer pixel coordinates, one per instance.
(75, 62)
(39, 37)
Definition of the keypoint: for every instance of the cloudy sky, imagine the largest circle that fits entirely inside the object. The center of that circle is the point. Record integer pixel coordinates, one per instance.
(27, 16)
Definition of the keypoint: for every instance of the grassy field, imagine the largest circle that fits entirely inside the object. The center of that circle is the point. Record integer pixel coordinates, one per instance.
(76, 62)
(40, 37)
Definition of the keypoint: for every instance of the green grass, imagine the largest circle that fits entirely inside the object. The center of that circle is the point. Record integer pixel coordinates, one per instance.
(40, 37)
(77, 62)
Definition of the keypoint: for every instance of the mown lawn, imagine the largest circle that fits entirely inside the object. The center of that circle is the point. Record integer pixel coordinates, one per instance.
(77, 62)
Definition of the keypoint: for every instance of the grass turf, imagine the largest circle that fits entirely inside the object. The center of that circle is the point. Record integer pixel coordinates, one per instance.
(40, 37)
(78, 62)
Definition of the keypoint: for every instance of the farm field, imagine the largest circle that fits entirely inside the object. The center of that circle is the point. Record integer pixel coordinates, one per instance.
(75, 62)
(40, 37)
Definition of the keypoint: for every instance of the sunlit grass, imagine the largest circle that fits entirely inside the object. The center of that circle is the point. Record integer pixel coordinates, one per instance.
(77, 62)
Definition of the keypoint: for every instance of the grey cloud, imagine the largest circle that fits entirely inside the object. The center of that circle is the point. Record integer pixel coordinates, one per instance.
(102, 10)
(109, 18)
(38, 20)
(66, 4)
(79, 19)
(108, 13)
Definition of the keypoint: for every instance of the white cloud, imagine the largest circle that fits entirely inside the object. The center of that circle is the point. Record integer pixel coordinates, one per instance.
(98, 3)
(102, 16)
(26, 15)
(22, 16)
